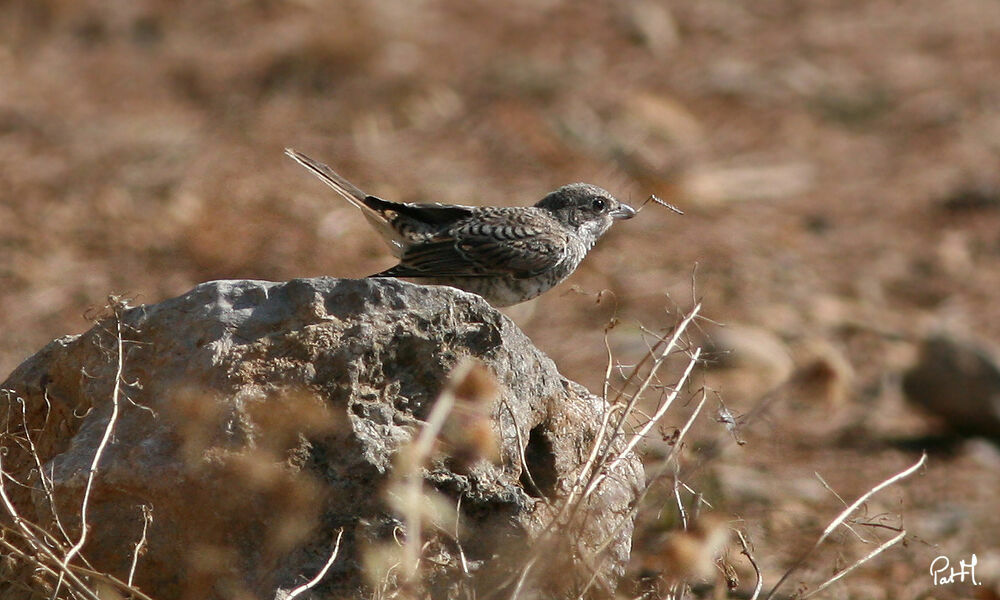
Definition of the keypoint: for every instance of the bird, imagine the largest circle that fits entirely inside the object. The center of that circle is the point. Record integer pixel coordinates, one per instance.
(506, 254)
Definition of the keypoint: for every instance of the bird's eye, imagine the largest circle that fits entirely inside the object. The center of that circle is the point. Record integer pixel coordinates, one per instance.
(599, 204)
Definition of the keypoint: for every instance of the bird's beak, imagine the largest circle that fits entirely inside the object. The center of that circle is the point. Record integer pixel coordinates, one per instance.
(624, 212)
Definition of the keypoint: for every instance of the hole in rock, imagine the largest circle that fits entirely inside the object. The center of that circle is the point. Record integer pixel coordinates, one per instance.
(540, 463)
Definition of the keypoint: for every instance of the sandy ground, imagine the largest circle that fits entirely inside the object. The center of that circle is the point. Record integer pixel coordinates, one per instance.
(837, 162)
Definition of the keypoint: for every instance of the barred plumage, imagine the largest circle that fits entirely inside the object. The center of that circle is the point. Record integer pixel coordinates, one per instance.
(505, 254)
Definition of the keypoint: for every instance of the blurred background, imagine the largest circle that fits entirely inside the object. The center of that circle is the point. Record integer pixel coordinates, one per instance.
(837, 162)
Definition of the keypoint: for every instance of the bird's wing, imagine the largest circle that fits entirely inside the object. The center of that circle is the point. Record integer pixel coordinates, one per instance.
(486, 247)
(419, 216)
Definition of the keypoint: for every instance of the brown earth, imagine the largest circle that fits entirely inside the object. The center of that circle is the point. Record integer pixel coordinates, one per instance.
(837, 160)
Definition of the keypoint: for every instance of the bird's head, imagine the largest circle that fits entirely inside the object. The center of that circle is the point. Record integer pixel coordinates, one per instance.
(586, 209)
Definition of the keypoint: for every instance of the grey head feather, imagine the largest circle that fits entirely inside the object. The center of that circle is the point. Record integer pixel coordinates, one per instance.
(586, 210)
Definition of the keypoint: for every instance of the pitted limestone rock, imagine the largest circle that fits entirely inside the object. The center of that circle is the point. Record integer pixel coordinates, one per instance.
(219, 416)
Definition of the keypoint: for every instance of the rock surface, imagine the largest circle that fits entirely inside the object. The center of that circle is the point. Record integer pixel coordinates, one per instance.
(224, 430)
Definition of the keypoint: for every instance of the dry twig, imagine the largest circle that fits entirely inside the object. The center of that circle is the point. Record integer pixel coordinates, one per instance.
(42, 550)
(322, 572)
(843, 516)
(117, 306)
(753, 563)
(147, 518)
(858, 563)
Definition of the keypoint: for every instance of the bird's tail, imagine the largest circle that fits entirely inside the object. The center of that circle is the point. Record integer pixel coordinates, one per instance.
(345, 188)
(352, 194)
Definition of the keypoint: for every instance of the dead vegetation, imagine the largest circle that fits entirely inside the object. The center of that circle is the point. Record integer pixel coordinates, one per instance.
(686, 546)
(836, 162)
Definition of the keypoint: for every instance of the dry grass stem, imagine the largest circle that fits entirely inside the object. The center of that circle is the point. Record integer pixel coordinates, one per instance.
(43, 550)
(147, 518)
(45, 480)
(413, 458)
(596, 469)
(322, 572)
(456, 410)
(60, 569)
(117, 306)
(858, 563)
(599, 470)
(759, 583)
(666, 466)
(520, 448)
(844, 515)
(830, 489)
(650, 422)
(677, 497)
(112, 582)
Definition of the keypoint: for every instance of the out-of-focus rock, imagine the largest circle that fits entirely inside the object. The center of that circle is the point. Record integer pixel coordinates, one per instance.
(955, 254)
(651, 137)
(665, 118)
(751, 348)
(688, 554)
(739, 78)
(971, 198)
(823, 376)
(957, 380)
(709, 186)
(258, 419)
(652, 24)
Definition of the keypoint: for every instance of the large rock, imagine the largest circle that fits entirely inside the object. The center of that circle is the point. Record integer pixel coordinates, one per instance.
(224, 429)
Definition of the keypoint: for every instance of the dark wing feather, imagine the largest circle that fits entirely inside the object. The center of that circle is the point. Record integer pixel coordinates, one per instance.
(487, 246)
(430, 214)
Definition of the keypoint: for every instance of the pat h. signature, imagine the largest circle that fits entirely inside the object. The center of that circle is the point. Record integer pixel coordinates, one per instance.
(944, 574)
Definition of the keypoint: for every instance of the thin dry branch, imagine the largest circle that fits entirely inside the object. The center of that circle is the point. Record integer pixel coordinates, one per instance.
(666, 467)
(650, 423)
(322, 572)
(44, 551)
(147, 518)
(830, 489)
(117, 306)
(753, 563)
(14, 550)
(678, 500)
(60, 570)
(843, 516)
(858, 563)
(111, 580)
(520, 447)
(595, 466)
(46, 481)
(627, 518)
(412, 488)
(524, 576)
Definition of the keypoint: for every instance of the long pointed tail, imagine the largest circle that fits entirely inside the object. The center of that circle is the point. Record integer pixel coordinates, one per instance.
(342, 186)
(353, 195)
